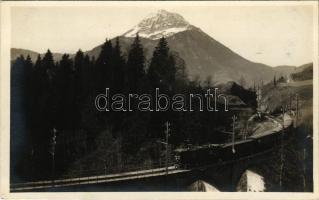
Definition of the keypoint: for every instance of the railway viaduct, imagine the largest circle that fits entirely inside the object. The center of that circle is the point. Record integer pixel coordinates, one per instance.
(224, 176)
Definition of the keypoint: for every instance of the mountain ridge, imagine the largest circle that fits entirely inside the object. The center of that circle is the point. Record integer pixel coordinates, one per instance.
(159, 24)
(204, 56)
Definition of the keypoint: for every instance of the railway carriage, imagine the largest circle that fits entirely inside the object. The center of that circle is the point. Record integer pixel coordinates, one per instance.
(197, 156)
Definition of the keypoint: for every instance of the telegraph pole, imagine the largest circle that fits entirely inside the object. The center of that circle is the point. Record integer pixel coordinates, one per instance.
(258, 98)
(52, 152)
(290, 101)
(304, 148)
(282, 147)
(304, 169)
(104, 164)
(297, 109)
(167, 125)
(233, 135)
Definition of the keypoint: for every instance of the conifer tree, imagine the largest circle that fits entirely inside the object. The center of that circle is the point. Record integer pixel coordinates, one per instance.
(103, 66)
(136, 66)
(162, 69)
(29, 91)
(19, 131)
(86, 74)
(65, 78)
(49, 68)
(118, 67)
(79, 70)
(181, 77)
(48, 64)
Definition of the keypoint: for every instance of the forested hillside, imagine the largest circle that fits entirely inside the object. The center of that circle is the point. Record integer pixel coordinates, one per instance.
(53, 114)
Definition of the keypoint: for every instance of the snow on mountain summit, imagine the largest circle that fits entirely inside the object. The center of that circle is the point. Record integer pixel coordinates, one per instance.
(159, 24)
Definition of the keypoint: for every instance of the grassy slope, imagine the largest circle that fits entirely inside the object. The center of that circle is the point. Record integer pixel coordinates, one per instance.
(294, 158)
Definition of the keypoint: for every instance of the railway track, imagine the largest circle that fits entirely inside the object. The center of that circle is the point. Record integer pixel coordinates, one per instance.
(40, 185)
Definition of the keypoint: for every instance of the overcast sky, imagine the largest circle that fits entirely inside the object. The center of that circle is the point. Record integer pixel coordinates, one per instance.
(281, 35)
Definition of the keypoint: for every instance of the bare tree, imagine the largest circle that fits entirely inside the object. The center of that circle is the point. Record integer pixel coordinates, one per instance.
(242, 81)
(209, 82)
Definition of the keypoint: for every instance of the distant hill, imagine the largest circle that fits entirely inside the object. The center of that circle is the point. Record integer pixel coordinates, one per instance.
(304, 72)
(283, 70)
(273, 97)
(15, 53)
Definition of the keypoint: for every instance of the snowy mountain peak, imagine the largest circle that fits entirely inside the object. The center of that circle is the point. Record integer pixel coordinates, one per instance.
(159, 24)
